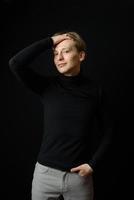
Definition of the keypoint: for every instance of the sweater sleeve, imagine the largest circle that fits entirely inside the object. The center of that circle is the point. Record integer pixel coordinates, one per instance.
(19, 65)
(106, 130)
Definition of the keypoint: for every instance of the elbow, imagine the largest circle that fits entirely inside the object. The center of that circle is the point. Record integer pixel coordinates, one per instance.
(12, 64)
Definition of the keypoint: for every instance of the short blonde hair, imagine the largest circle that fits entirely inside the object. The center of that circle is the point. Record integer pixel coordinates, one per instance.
(79, 42)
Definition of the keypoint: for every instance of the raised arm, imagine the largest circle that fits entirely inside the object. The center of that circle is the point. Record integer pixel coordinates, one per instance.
(19, 63)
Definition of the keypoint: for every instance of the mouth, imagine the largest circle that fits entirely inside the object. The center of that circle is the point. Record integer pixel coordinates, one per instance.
(61, 65)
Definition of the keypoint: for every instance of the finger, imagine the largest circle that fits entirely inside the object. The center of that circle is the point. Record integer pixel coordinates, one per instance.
(81, 173)
(67, 36)
(76, 169)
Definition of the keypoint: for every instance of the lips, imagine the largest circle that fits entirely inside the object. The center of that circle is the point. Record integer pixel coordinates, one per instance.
(61, 64)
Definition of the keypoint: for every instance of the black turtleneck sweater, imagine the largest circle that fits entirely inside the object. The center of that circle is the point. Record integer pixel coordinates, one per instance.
(76, 127)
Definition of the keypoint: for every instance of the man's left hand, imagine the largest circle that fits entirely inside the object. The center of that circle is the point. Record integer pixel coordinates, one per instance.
(83, 170)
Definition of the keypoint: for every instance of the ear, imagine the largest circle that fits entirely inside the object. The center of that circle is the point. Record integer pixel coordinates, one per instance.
(82, 56)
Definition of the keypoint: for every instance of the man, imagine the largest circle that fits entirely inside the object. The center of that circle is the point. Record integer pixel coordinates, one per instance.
(76, 133)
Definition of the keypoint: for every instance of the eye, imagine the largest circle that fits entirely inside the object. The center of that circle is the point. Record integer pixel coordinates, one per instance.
(66, 51)
(55, 53)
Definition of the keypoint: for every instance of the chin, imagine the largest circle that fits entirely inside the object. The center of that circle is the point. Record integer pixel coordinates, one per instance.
(64, 71)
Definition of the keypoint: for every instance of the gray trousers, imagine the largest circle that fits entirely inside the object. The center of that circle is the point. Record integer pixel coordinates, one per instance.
(49, 183)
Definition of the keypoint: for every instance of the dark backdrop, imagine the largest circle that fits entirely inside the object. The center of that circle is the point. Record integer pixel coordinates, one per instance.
(107, 29)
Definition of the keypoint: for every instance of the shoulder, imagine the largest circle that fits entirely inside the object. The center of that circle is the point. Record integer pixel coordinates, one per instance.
(93, 83)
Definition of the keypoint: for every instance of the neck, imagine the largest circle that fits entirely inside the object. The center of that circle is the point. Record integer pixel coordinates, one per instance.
(72, 79)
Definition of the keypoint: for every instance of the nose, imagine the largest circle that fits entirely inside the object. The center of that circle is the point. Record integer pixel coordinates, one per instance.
(60, 56)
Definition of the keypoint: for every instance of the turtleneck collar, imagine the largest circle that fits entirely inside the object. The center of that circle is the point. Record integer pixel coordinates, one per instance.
(70, 79)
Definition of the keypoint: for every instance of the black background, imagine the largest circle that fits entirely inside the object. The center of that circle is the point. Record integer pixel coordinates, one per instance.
(107, 28)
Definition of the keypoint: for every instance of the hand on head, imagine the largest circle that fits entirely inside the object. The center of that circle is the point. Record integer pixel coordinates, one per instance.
(59, 38)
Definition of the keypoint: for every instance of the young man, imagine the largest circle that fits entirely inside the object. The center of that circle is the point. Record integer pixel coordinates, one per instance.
(76, 131)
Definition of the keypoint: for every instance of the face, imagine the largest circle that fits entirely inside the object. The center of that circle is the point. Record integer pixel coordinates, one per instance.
(67, 58)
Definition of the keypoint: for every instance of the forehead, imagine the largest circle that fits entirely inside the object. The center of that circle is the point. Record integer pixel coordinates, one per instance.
(65, 44)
